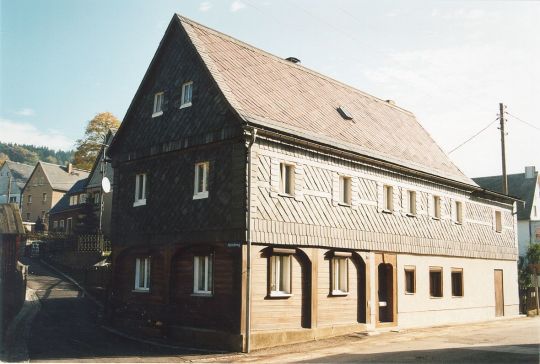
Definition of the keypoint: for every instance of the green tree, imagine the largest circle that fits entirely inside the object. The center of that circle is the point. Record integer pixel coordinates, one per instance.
(94, 136)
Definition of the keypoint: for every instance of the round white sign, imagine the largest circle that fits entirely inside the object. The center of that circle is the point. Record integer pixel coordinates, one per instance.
(106, 185)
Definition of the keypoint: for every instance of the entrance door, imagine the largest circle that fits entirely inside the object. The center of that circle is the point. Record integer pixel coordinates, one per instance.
(386, 292)
(499, 293)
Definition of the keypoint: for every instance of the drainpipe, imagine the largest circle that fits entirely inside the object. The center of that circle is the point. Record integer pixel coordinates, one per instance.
(248, 240)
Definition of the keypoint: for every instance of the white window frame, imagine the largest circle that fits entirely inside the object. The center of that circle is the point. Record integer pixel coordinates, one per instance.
(185, 87)
(458, 212)
(286, 179)
(436, 206)
(72, 200)
(280, 275)
(207, 279)
(340, 276)
(157, 110)
(198, 191)
(411, 203)
(388, 198)
(140, 198)
(142, 283)
(345, 190)
(497, 224)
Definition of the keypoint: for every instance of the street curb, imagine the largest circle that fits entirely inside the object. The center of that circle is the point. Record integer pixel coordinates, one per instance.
(18, 331)
(72, 280)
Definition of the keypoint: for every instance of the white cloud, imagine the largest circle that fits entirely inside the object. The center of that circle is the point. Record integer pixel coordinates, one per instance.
(25, 112)
(237, 5)
(24, 133)
(205, 6)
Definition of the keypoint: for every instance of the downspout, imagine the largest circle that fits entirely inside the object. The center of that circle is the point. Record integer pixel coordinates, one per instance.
(248, 241)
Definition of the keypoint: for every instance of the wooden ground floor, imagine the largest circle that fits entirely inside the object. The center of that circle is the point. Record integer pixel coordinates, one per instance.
(197, 293)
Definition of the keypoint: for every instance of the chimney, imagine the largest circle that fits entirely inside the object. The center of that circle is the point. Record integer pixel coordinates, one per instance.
(69, 168)
(530, 172)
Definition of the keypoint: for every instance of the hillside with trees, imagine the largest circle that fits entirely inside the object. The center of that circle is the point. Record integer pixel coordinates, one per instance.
(30, 154)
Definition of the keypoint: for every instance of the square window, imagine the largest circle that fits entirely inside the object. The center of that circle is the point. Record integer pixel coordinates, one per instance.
(280, 275)
(345, 190)
(458, 212)
(287, 179)
(436, 213)
(158, 104)
(340, 275)
(388, 198)
(201, 180)
(411, 202)
(498, 221)
(410, 280)
(457, 282)
(142, 274)
(202, 274)
(435, 282)
(140, 189)
(187, 94)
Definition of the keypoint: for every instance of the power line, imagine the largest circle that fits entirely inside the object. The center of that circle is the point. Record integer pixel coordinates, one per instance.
(474, 136)
(523, 121)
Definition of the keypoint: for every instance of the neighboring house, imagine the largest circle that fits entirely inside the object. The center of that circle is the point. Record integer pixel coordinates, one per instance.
(93, 188)
(45, 187)
(525, 186)
(18, 174)
(258, 202)
(66, 214)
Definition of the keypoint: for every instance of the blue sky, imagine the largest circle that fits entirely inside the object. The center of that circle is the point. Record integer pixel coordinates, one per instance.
(450, 63)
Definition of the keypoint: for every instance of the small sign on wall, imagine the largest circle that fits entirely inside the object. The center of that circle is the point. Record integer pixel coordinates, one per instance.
(234, 245)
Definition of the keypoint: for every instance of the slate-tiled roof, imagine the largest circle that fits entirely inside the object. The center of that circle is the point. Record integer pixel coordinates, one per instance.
(10, 219)
(63, 204)
(271, 92)
(518, 185)
(20, 172)
(59, 177)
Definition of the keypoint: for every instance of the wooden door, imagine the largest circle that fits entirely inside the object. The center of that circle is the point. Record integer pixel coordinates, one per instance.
(499, 293)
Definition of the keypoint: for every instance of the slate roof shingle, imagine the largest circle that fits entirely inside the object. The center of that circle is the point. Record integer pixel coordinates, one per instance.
(59, 178)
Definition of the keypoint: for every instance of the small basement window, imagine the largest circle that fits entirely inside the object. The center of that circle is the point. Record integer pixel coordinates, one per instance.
(158, 104)
(410, 280)
(345, 190)
(435, 282)
(457, 282)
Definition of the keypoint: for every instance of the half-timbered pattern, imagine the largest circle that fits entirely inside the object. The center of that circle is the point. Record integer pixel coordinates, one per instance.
(259, 203)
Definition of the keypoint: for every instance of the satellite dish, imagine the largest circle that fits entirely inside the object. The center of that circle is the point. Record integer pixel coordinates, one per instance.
(106, 185)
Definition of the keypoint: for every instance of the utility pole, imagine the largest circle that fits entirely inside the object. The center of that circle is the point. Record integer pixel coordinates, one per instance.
(503, 150)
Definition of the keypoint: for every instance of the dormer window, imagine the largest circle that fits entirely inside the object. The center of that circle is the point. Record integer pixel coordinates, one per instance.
(158, 104)
(187, 94)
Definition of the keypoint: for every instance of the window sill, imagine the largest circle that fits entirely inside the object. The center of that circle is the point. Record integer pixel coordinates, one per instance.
(200, 195)
(156, 114)
(283, 194)
(280, 295)
(339, 293)
(202, 294)
(183, 106)
(435, 218)
(458, 223)
(344, 204)
(386, 211)
(410, 293)
(140, 290)
(435, 298)
(457, 296)
(410, 214)
(139, 203)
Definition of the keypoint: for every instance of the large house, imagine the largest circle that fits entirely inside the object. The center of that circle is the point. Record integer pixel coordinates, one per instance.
(13, 177)
(67, 213)
(45, 187)
(525, 186)
(258, 202)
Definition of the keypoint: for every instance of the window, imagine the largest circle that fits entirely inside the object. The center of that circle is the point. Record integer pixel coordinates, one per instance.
(410, 280)
(202, 274)
(201, 180)
(435, 282)
(29, 199)
(498, 221)
(55, 225)
(142, 274)
(187, 94)
(388, 198)
(95, 198)
(72, 200)
(62, 225)
(158, 104)
(411, 203)
(345, 187)
(286, 179)
(280, 275)
(436, 207)
(140, 190)
(457, 282)
(44, 199)
(12, 199)
(69, 225)
(82, 198)
(458, 212)
(340, 275)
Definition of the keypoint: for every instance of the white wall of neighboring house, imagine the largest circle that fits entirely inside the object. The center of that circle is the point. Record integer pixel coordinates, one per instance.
(15, 192)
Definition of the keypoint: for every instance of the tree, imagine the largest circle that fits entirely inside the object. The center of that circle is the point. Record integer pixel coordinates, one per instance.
(94, 136)
(3, 157)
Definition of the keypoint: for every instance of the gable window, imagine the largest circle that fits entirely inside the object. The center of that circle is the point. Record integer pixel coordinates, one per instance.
(458, 212)
(201, 180)
(202, 274)
(388, 198)
(410, 280)
(345, 190)
(436, 213)
(158, 104)
(280, 275)
(142, 274)
(340, 274)
(44, 199)
(140, 189)
(457, 282)
(286, 185)
(435, 282)
(411, 203)
(29, 199)
(498, 221)
(187, 94)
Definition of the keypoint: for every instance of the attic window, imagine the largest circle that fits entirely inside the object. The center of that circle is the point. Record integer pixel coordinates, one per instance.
(345, 114)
